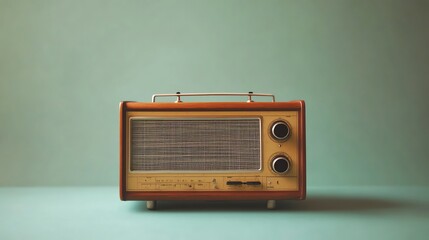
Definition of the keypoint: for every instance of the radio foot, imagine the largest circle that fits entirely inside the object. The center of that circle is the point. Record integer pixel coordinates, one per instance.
(151, 205)
(271, 204)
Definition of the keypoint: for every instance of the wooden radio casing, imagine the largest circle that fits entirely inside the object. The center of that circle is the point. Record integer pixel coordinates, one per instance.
(177, 185)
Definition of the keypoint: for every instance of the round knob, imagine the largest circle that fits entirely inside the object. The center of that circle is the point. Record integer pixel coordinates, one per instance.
(280, 164)
(280, 130)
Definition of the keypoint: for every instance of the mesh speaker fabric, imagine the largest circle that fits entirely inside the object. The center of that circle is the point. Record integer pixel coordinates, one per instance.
(195, 144)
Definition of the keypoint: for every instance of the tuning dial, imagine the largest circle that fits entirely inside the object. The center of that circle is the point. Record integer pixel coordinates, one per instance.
(280, 130)
(280, 164)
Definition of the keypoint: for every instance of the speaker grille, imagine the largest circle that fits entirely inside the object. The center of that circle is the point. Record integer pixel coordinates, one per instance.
(195, 144)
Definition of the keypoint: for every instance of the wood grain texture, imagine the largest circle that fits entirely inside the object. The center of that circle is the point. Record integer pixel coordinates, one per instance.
(302, 151)
(238, 195)
(225, 106)
(122, 152)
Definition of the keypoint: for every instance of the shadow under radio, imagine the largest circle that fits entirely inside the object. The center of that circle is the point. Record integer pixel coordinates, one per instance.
(315, 203)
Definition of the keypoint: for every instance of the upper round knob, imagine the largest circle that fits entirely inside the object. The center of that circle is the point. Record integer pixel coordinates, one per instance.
(280, 130)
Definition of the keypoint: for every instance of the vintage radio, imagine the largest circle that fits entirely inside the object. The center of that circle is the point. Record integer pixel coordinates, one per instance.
(212, 150)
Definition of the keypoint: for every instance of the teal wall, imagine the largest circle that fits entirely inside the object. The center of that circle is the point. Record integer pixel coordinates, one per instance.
(362, 67)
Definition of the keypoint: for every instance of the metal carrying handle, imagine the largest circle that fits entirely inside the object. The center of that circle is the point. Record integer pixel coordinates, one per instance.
(178, 95)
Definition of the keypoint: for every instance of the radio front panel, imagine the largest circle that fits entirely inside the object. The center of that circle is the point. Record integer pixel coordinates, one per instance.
(200, 151)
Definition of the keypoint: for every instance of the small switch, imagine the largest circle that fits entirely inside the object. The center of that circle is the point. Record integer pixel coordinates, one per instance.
(234, 183)
(254, 183)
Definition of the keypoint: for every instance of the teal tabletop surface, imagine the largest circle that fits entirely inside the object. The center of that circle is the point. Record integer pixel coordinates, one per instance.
(328, 213)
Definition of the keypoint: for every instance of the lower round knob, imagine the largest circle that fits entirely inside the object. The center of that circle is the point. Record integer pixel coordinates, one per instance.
(280, 164)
